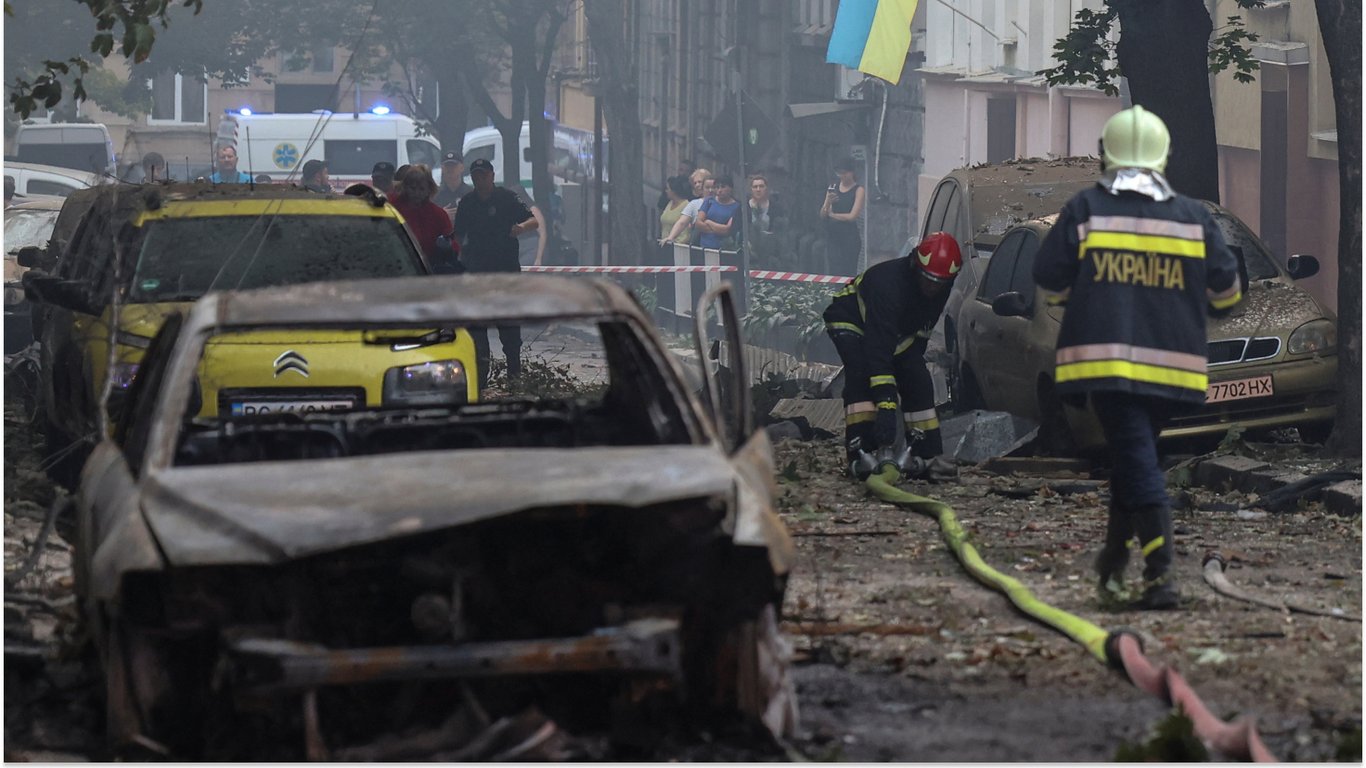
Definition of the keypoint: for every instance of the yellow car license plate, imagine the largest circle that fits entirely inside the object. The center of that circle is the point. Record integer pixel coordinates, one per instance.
(1239, 389)
(262, 407)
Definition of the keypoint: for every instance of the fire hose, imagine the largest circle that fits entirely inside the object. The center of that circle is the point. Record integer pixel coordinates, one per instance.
(1121, 649)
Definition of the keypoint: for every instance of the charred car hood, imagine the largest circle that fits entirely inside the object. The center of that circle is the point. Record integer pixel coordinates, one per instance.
(1270, 308)
(260, 513)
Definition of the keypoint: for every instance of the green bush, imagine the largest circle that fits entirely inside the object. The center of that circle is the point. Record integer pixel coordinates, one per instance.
(797, 305)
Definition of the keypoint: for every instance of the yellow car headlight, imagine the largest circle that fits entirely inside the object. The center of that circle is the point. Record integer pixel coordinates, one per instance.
(439, 382)
(1316, 336)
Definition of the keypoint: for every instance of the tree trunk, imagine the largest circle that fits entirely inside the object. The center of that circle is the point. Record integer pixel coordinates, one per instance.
(1340, 26)
(1163, 50)
(621, 109)
(542, 187)
(454, 114)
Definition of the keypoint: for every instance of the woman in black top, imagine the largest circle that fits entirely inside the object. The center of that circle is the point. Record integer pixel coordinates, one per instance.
(841, 211)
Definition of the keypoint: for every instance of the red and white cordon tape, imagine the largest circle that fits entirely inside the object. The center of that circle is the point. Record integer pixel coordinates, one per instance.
(757, 274)
(799, 277)
(632, 270)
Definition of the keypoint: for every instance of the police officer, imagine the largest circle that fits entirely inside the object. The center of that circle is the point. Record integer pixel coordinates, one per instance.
(880, 324)
(490, 219)
(1137, 265)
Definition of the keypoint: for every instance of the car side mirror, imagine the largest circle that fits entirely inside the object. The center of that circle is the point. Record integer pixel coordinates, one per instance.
(1012, 304)
(1301, 266)
(30, 256)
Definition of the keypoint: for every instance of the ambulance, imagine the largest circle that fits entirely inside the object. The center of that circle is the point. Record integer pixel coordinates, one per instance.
(278, 144)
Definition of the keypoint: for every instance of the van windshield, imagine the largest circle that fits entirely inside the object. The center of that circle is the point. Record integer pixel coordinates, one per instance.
(182, 259)
(82, 157)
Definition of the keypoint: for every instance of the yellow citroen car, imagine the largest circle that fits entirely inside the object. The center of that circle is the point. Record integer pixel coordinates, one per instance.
(146, 252)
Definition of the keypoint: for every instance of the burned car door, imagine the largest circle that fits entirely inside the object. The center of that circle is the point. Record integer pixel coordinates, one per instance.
(726, 396)
(107, 497)
(760, 680)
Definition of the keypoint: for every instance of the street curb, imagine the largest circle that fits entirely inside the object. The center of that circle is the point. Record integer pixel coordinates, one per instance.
(1343, 498)
(1224, 474)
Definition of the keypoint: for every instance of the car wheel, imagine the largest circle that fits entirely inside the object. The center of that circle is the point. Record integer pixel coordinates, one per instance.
(762, 684)
(1054, 434)
(1315, 433)
(966, 395)
(62, 456)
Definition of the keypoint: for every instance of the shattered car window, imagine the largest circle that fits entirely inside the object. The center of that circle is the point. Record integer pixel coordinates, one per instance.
(283, 394)
(1260, 262)
(182, 259)
(24, 228)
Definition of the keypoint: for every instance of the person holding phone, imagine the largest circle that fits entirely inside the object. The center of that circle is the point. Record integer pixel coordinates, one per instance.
(843, 206)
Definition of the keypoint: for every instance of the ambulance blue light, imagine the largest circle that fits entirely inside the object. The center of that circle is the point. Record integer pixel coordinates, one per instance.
(379, 109)
(245, 111)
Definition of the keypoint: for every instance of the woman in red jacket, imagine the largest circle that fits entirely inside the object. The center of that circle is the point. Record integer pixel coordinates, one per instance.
(427, 220)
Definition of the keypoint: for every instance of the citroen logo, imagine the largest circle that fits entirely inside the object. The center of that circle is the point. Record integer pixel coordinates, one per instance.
(291, 361)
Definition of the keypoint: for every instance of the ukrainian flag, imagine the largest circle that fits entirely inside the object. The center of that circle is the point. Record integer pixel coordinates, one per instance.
(872, 36)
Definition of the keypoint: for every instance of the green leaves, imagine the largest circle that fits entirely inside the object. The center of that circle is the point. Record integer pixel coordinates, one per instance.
(1228, 49)
(1086, 54)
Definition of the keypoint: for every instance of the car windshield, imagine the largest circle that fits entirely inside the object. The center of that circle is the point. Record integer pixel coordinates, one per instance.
(1261, 265)
(28, 227)
(300, 392)
(181, 259)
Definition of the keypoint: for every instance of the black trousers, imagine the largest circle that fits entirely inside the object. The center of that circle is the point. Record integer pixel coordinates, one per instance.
(479, 261)
(511, 338)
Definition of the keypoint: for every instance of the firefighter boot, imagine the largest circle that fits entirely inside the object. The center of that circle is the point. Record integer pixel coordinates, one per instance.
(1114, 556)
(1154, 526)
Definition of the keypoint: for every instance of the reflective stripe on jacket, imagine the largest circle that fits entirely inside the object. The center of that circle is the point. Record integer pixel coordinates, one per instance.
(1137, 276)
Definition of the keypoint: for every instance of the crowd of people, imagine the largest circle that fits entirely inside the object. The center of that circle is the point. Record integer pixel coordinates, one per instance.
(700, 209)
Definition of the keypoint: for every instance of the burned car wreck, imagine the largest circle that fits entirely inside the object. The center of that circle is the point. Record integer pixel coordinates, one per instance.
(341, 577)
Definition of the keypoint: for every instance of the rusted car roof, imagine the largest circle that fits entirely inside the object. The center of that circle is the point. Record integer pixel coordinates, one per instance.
(1005, 194)
(482, 299)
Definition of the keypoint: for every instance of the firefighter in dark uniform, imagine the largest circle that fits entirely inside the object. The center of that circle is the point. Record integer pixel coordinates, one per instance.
(1138, 266)
(880, 324)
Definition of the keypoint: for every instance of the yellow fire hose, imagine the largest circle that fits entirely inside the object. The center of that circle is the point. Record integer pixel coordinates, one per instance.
(1119, 649)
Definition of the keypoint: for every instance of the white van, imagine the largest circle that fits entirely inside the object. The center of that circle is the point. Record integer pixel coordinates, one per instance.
(79, 146)
(278, 144)
(31, 179)
(572, 157)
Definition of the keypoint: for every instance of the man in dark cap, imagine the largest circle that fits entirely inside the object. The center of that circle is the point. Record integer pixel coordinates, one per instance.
(315, 177)
(382, 177)
(453, 186)
(491, 218)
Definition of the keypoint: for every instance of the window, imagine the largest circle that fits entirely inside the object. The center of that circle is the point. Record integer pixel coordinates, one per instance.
(934, 220)
(358, 158)
(233, 253)
(1023, 280)
(481, 152)
(38, 187)
(178, 98)
(324, 59)
(999, 272)
(422, 152)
